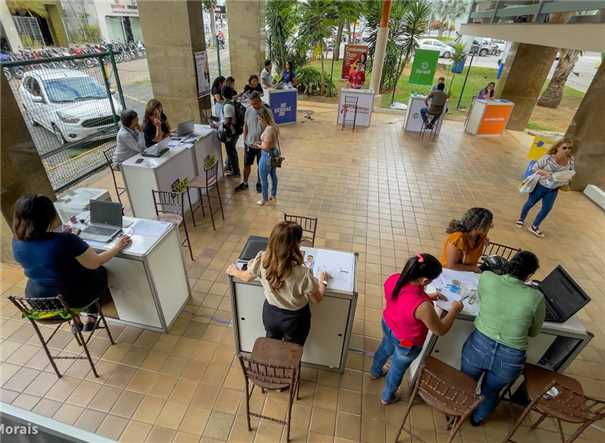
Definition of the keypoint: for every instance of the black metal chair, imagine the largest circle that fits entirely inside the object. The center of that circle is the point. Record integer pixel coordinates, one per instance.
(308, 224)
(350, 105)
(170, 207)
(206, 182)
(430, 127)
(504, 251)
(55, 311)
(113, 167)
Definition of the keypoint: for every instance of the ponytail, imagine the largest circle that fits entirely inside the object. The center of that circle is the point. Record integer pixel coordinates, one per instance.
(419, 266)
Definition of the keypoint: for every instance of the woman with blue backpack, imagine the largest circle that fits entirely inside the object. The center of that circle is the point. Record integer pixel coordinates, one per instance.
(553, 171)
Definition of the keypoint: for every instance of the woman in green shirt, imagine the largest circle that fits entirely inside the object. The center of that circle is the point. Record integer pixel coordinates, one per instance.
(510, 312)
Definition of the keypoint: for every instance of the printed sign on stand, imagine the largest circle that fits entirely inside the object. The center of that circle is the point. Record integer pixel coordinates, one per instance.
(283, 105)
(202, 73)
(355, 59)
(424, 67)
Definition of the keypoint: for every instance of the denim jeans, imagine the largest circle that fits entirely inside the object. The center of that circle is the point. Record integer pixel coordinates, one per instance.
(499, 364)
(424, 113)
(548, 197)
(402, 358)
(232, 159)
(267, 170)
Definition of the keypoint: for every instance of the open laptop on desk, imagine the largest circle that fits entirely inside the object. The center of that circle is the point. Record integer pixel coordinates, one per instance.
(105, 221)
(563, 297)
(184, 129)
(252, 247)
(157, 150)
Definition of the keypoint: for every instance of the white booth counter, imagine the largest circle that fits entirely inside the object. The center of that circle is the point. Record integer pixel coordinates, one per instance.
(488, 116)
(331, 320)
(183, 159)
(148, 281)
(554, 348)
(365, 105)
(413, 120)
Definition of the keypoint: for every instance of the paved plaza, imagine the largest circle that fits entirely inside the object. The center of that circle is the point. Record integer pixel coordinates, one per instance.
(376, 191)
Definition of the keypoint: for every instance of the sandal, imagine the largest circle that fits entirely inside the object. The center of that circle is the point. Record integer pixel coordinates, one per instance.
(536, 231)
(394, 400)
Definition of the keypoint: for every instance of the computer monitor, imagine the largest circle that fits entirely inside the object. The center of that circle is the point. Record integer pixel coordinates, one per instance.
(563, 294)
(105, 213)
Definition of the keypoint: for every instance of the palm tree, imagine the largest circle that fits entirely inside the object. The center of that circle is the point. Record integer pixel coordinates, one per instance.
(317, 19)
(281, 17)
(552, 95)
(415, 21)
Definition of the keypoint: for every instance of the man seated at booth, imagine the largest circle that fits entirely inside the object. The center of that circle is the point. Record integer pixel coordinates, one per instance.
(466, 239)
(59, 263)
(435, 105)
(511, 311)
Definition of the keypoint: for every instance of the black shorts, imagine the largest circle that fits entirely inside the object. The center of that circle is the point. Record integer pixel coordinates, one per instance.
(282, 324)
(250, 155)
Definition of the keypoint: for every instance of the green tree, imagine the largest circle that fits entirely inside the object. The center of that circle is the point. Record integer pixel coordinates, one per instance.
(209, 5)
(447, 11)
(316, 22)
(281, 19)
(553, 94)
(414, 24)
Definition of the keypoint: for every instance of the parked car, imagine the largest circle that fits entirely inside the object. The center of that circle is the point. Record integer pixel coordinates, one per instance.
(69, 103)
(445, 51)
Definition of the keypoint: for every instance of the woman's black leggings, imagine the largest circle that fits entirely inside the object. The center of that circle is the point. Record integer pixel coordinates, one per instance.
(283, 324)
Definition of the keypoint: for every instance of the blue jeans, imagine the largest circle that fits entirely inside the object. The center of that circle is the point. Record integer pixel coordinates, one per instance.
(424, 113)
(548, 197)
(402, 358)
(499, 364)
(267, 170)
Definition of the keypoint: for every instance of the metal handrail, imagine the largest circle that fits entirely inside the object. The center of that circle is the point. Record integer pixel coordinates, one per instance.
(37, 61)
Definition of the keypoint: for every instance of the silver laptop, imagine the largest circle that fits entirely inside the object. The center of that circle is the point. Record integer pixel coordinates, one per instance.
(184, 128)
(105, 221)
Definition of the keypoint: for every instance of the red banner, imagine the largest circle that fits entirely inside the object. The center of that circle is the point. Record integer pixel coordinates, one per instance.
(355, 59)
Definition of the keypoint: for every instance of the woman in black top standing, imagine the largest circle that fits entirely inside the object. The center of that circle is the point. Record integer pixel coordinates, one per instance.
(156, 127)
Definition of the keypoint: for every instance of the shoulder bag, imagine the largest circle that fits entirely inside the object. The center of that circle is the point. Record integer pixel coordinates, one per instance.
(276, 155)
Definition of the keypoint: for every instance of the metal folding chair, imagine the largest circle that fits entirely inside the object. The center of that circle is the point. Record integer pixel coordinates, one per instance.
(308, 225)
(170, 207)
(206, 182)
(113, 167)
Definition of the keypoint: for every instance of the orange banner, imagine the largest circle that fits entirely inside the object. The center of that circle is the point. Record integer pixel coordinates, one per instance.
(494, 119)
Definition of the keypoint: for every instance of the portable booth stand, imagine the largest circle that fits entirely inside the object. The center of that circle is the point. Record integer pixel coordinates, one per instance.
(488, 117)
(331, 320)
(365, 105)
(283, 103)
(413, 120)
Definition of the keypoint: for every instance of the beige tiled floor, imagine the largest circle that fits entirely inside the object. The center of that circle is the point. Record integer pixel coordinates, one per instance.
(376, 191)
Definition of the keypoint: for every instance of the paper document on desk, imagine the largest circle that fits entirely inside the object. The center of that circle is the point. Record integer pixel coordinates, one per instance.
(340, 266)
(149, 228)
(457, 285)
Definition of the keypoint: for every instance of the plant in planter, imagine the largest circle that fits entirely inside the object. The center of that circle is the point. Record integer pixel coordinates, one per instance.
(180, 184)
(209, 161)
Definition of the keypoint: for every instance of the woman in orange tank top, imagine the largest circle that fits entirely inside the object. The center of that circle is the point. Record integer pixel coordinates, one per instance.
(466, 239)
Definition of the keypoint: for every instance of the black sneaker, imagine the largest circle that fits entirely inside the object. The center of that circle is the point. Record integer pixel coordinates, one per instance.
(259, 188)
(241, 187)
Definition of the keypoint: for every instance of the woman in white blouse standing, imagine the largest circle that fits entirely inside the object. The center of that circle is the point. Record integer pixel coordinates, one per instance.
(555, 170)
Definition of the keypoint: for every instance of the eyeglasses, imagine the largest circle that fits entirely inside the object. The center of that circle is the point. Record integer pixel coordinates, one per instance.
(566, 148)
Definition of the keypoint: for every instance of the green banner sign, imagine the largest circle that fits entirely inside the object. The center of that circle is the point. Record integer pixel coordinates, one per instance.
(424, 67)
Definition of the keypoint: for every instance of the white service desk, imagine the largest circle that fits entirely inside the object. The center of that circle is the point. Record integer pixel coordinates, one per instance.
(488, 116)
(413, 120)
(183, 159)
(365, 106)
(148, 281)
(331, 320)
(554, 348)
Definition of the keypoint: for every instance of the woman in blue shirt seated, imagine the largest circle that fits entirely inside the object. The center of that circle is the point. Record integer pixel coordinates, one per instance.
(288, 77)
(58, 263)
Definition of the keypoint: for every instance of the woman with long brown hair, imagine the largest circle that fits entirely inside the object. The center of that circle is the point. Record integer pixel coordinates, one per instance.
(555, 169)
(155, 123)
(288, 284)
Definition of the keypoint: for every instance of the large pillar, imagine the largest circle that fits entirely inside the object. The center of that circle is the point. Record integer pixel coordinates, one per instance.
(9, 28)
(586, 130)
(246, 37)
(381, 47)
(173, 31)
(21, 170)
(524, 75)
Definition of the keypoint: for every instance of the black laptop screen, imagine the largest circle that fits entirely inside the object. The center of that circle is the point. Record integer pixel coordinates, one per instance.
(564, 294)
(253, 246)
(105, 213)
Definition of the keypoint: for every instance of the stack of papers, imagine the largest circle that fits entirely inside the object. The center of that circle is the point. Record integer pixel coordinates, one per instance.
(457, 285)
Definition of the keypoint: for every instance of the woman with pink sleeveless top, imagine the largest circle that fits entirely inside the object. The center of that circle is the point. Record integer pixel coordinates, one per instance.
(408, 316)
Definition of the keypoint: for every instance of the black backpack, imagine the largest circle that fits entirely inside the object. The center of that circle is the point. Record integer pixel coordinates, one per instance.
(240, 115)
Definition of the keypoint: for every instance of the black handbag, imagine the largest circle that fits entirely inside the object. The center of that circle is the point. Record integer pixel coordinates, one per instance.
(276, 157)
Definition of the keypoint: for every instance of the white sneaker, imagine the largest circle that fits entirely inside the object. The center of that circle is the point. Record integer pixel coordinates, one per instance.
(261, 202)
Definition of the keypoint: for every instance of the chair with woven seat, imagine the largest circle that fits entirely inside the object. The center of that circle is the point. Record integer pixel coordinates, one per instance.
(170, 207)
(206, 182)
(445, 389)
(560, 397)
(308, 224)
(273, 365)
(54, 311)
(113, 167)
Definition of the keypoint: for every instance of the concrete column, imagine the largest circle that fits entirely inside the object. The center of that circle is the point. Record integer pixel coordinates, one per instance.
(173, 31)
(246, 20)
(8, 25)
(381, 47)
(524, 74)
(586, 131)
(21, 170)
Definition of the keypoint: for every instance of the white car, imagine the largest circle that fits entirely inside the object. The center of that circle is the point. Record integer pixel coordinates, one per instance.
(69, 103)
(445, 51)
